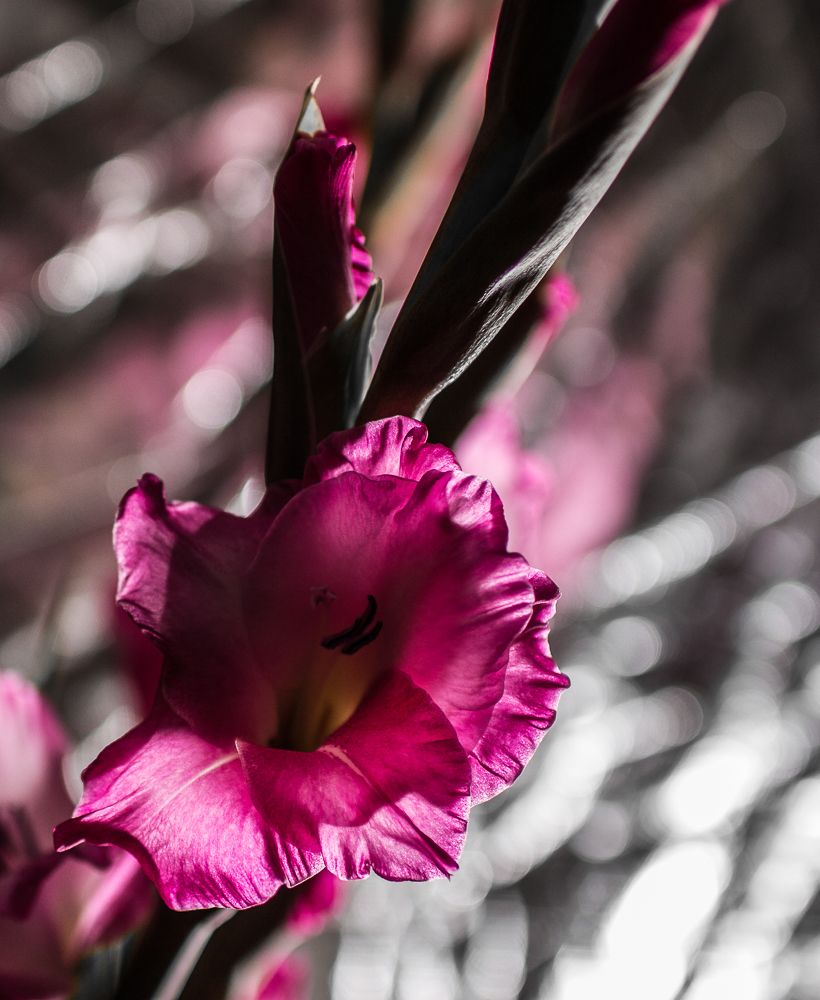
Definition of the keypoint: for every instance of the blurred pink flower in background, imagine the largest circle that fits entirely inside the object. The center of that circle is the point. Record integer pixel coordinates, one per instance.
(599, 453)
(78, 907)
(290, 980)
(575, 489)
(369, 617)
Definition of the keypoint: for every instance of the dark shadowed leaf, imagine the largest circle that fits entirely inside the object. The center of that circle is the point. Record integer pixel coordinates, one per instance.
(470, 298)
(532, 45)
(338, 372)
(291, 434)
(458, 403)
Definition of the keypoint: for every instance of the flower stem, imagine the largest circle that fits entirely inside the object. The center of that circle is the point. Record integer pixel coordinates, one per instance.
(174, 980)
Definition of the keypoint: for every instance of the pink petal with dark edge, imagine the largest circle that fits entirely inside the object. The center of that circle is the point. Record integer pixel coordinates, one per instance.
(389, 791)
(181, 807)
(471, 599)
(393, 447)
(532, 686)
(180, 570)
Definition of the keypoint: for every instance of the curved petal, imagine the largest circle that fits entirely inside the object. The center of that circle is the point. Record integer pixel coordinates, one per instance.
(142, 660)
(181, 807)
(388, 792)
(329, 539)
(471, 598)
(19, 888)
(393, 447)
(33, 797)
(180, 570)
(532, 686)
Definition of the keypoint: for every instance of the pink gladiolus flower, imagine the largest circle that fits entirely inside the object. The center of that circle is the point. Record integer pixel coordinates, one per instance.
(347, 670)
(53, 908)
(328, 267)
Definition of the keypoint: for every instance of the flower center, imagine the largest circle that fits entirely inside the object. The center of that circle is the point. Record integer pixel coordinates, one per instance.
(356, 637)
(337, 676)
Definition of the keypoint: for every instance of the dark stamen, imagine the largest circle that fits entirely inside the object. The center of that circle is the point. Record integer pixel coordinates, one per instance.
(365, 640)
(356, 629)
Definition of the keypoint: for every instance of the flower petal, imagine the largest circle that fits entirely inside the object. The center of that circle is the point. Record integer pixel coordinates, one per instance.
(393, 447)
(470, 601)
(389, 791)
(180, 567)
(19, 888)
(181, 807)
(532, 686)
(142, 659)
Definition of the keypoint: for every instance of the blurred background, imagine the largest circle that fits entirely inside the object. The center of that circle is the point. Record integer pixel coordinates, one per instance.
(659, 460)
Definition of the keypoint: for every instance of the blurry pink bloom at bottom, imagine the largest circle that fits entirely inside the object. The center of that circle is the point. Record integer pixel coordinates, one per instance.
(347, 670)
(54, 909)
(290, 981)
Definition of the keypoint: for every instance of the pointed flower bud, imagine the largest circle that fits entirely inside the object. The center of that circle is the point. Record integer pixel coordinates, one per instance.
(327, 265)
